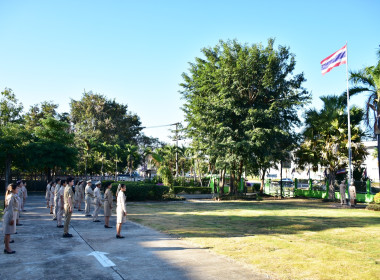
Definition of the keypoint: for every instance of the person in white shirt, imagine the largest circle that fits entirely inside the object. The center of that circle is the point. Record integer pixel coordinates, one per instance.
(121, 211)
(51, 196)
(97, 201)
(47, 194)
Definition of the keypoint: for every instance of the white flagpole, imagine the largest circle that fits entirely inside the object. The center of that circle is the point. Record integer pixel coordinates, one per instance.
(350, 180)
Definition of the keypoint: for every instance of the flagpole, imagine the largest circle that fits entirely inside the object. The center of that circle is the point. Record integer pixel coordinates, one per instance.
(350, 179)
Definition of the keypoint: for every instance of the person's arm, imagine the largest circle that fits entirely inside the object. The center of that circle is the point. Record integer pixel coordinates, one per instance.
(70, 203)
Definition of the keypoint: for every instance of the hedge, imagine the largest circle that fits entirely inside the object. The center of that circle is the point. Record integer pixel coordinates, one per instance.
(140, 191)
(192, 190)
(31, 186)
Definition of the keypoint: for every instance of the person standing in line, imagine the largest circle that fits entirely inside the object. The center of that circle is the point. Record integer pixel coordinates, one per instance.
(24, 194)
(121, 211)
(47, 194)
(56, 197)
(108, 200)
(68, 201)
(9, 223)
(76, 187)
(51, 196)
(80, 195)
(97, 201)
(89, 195)
(19, 201)
(61, 204)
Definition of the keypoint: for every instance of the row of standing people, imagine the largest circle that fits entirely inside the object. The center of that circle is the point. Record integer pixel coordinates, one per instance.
(14, 203)
(54, 198)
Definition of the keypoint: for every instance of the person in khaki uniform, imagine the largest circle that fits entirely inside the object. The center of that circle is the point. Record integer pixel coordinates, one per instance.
(97, 201)
(108, 199)
(9, 222)
(61, 204)
(68, 200)
(89, 195)
(79, 195)
(24, 194)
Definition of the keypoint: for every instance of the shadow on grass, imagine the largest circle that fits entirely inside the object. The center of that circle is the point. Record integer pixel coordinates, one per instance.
(188, 225)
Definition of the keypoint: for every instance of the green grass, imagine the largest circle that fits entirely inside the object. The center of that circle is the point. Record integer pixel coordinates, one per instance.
(290, 239)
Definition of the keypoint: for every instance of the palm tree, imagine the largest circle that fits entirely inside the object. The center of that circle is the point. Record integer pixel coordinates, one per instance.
(367, 80)
(325, 138)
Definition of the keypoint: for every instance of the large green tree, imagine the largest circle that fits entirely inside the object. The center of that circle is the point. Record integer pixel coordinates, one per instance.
(12, 131)
(242, 100)
(98, 120)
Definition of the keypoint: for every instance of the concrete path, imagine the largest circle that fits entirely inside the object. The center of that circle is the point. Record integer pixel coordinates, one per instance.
(42, 252)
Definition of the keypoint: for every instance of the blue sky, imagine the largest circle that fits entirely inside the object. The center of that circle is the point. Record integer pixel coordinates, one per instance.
(136, 51)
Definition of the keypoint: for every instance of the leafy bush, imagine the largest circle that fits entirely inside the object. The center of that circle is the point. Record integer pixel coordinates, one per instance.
(376, 199)
(192, 190)
(373, 206)
(139, 191)
(166, 174)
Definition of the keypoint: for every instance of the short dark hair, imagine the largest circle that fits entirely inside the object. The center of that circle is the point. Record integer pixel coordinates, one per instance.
(57, 180)
(70, 179)
(63, 181)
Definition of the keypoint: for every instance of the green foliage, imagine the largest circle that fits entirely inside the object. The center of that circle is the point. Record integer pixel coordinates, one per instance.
(242, 106)
(376, 199)
(325, 138)
(166, 175)
(192, 190)
(139, 191)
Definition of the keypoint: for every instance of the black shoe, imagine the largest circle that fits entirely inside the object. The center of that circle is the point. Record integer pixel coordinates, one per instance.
(18, 225)
(61, 226)
(107, 226)
(12, 241)
(7, 252)
(54, 219)
(67, 235)
(79, 210)
(16, 232)
(88, 215)
(51, 212)
(96, 221)
(119, 236)
(23, 210)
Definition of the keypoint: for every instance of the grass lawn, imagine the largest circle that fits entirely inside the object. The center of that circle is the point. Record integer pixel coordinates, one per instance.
(289, 239)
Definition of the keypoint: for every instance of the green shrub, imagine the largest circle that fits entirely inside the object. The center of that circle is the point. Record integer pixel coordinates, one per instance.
(140, 191)
(376, 199)
(192, 190)
(373, 206)
(256, 187)
(166, 174)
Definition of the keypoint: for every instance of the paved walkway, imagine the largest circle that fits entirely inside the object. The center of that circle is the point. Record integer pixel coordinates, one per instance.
(42, 252)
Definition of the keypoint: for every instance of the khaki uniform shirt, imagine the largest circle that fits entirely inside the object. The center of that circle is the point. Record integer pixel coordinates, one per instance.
(68, 193)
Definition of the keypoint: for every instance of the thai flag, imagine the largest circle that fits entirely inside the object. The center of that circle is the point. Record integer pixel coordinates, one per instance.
(341, 171)
(337, 58)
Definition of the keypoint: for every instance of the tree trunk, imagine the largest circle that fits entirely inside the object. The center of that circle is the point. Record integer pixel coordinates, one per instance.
(200, 173)
(232, 179)
(281, 187)
(262, 181)
(378, 154)
(331, 185)
(240, 172)
(222, 180)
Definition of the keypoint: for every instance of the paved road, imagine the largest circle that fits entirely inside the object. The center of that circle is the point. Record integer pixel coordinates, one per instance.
(42, 252)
